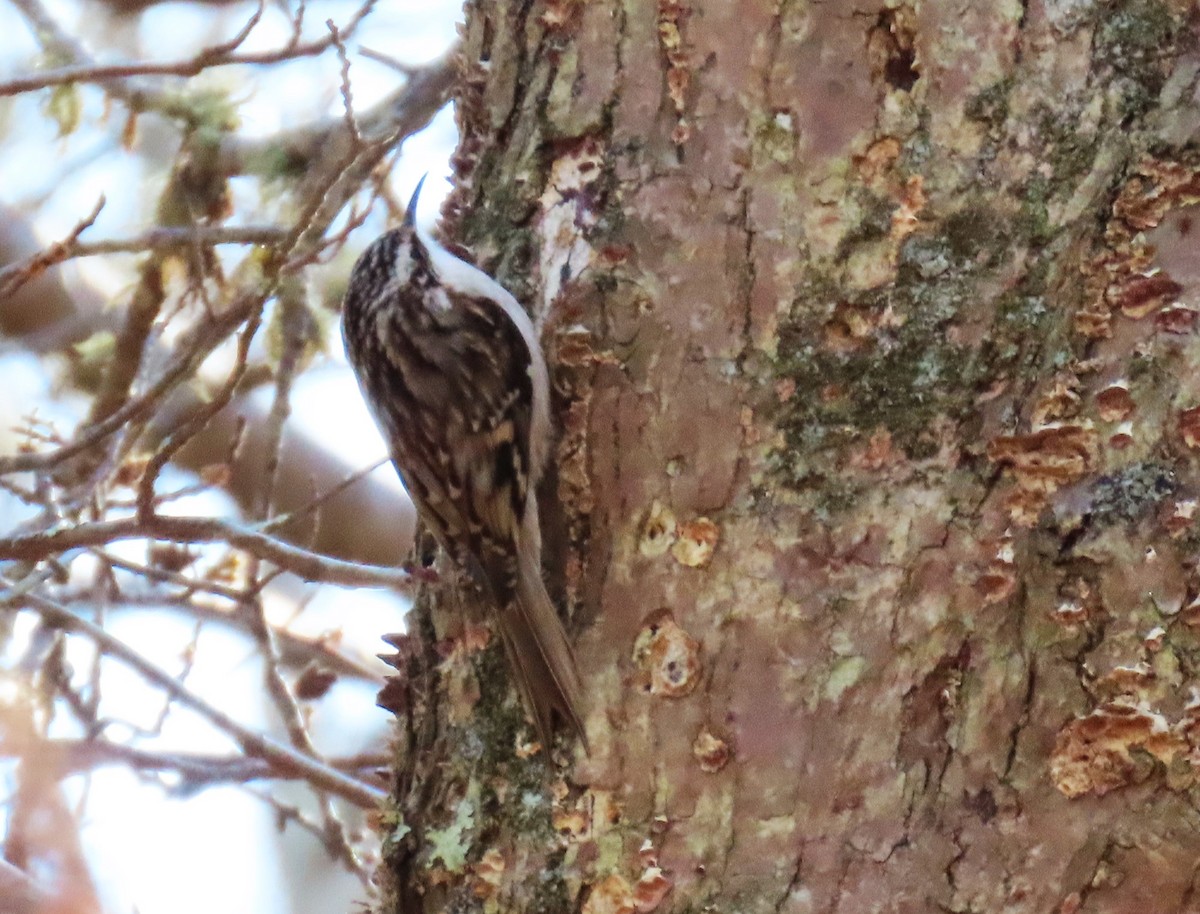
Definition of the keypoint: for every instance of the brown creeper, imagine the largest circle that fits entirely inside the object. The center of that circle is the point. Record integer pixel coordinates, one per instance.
(453, 373)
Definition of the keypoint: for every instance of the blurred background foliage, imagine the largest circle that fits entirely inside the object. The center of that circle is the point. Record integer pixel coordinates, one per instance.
(200, 544)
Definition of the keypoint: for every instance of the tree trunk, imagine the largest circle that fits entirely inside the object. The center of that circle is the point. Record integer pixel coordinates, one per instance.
(875, 506)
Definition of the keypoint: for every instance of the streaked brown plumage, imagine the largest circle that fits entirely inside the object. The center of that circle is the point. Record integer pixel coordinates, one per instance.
(453, 373)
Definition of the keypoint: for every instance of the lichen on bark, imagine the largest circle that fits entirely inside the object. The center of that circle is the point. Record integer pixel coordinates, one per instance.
(877, 479)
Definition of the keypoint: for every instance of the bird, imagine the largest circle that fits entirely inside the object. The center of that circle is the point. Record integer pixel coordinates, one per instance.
(453, 373)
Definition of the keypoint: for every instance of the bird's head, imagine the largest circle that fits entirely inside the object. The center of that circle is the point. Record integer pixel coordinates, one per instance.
(399, 255)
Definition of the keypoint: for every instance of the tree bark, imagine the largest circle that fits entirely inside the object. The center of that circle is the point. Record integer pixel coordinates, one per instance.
(874, 334)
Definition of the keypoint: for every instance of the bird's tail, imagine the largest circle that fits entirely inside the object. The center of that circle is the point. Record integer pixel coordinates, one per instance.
(540, 655)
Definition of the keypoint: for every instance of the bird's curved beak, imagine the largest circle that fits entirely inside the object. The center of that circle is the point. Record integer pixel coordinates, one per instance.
(410, 214)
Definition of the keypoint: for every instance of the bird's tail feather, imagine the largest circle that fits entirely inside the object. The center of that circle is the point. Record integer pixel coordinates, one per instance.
(540, 654)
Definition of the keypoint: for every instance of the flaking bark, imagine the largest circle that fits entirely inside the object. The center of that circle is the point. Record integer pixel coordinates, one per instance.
(874, 334)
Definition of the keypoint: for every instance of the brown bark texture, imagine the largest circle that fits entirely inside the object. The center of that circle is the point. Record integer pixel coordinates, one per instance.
(874, 334)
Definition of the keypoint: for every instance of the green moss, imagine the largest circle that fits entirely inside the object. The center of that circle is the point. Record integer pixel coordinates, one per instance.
(604, 282)
(837, 495)
(1136, 39)
(64, 107)
(898, 383)
(975, 231)
(92, 358)
(515, 270)
(498, 723)
(1185, 644)
(1141, 364)
(1068, 147)
(549, 896)
(845, 672)
(211, 112)
(497, 720)
(1024, 325)
(990, 106)
(277, 164)
(924, 257)
(503, 219)
(1032, 223)
(774, 139)
(874, 221)
(1135, 35)
(910, 372)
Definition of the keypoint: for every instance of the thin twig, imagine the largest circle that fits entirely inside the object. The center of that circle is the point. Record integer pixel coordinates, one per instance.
(20, 894)
(190, 586)
(337, 849)
(117, 78)
(347, 92)
(285, 759)
(220, 51)
(195, 769)
(185, 431)
(283, 520)
(30, 582)
(309, 566)
(293, 317)
(296, 650)
(193, 348)
(387, 60)
(12, 277)
(71, 248)
(402, 113)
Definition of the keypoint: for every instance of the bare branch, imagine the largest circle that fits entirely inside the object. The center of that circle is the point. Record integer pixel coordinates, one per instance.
(306, 565)
(140, 96)
(193, 348)
(347, 93)
(334, 843)
(296, 650)
(40, 262)
(285, 759)
(15, 275)
(184, 432)
(19, 894)
(188, 585)
(117, 78)
(86, 481)
(314, 503)
(218, 55)
(388, 61)
(401, 114)
(194, 769)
